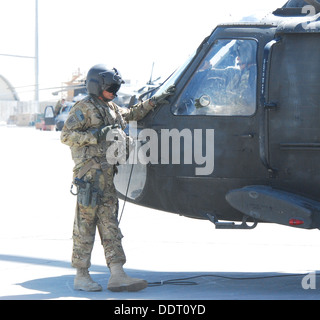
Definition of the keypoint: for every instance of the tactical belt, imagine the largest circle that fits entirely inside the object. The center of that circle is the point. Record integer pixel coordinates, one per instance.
(94, 163)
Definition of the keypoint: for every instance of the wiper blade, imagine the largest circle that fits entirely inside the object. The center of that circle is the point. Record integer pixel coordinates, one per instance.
(149, 91)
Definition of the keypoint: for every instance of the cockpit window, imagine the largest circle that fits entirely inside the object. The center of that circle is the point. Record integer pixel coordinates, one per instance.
(224, 83)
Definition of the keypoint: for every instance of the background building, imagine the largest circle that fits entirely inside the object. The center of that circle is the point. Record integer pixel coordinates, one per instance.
(14, 111)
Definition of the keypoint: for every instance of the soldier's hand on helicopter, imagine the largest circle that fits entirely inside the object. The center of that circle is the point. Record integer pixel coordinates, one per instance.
(157, 100)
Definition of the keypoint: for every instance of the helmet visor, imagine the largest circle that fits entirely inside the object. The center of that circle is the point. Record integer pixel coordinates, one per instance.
(113, 88)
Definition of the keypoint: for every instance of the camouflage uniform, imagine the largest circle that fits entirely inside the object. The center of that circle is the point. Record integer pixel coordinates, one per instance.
(92, 113)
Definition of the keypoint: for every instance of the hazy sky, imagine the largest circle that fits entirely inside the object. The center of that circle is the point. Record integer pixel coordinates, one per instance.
(127, 34)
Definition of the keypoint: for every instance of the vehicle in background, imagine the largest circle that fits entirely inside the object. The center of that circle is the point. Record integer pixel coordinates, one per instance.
(46, 121)
(63, 115)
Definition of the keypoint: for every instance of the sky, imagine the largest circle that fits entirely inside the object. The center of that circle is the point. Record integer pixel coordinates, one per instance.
(129, 35)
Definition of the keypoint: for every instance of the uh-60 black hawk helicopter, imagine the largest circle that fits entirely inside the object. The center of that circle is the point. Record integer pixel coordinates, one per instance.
(244, 123)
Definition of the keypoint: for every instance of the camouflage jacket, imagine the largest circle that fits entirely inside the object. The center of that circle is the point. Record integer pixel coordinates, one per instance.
(91, 113)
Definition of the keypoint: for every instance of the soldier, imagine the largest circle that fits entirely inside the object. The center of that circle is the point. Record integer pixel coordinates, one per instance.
(85, 132)
(239, 81)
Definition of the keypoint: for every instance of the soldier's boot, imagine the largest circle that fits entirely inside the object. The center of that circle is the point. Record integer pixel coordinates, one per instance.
(120, 281)
(84, 282)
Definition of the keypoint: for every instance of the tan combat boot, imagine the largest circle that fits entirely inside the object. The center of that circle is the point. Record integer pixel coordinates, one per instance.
(120, 281)
(84, 282)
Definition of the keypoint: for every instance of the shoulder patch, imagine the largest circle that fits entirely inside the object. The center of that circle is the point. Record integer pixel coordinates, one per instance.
(79, 115)
(76, 118)
(71, 122)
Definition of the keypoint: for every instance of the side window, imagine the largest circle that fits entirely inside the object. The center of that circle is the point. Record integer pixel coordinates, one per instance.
(224, 83)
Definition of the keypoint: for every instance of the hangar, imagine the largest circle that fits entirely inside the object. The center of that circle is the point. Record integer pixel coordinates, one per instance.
(7, 91)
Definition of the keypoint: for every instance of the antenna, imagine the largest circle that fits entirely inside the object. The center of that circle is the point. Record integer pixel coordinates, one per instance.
(150, 81)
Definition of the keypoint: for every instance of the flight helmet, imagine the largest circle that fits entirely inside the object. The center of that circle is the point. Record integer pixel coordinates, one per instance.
(100, 78)
(246, 50)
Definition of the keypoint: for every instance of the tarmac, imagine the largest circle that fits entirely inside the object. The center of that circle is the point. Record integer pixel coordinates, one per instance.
(181, 258)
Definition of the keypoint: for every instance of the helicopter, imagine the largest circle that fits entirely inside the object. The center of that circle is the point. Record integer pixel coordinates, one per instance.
(237, 156)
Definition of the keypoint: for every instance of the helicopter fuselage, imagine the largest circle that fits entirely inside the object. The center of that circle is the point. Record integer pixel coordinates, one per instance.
(237, 149)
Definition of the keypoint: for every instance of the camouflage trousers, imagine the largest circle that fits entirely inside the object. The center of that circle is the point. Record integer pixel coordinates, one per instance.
(102, 215)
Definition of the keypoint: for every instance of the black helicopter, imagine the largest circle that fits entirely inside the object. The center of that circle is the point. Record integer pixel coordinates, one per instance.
(242, 128)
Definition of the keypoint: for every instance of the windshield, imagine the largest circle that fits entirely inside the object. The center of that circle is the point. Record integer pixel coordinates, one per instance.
(173, 78)
(224, 84)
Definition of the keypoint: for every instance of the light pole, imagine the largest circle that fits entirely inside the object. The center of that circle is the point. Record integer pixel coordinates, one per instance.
(36, 60)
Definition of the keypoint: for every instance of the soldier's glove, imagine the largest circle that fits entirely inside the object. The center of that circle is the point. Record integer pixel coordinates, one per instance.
(125, 143)
(118, 133)
(157, 100)
(101, 133)
(120, 148)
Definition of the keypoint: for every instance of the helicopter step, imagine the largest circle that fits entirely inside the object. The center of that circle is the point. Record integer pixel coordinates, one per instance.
(230, 224)
(276, 206)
